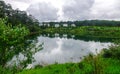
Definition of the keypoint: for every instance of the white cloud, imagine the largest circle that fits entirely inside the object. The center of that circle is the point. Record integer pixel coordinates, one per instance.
(43, 11)
(20, 4)
(24, 4)
(105, 9)
(77, 9)
(73, 9)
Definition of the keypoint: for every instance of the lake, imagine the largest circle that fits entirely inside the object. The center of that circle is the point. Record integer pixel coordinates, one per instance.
(63, 50)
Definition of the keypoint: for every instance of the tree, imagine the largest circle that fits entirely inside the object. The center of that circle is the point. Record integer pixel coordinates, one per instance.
(13, 42)
(16, 17)
(10, 39)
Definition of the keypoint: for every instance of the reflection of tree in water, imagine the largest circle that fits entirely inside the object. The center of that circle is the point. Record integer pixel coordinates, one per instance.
(76, 37)
(25, 57)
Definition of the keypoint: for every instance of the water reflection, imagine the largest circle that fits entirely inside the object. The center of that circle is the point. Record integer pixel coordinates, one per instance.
(62, 50)
(77, 37)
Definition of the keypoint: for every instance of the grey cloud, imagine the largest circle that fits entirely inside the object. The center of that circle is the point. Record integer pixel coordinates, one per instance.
(43, 11)
(78, 10)
(71, 9)
(107, 11)
(89, 9)
(118, 10)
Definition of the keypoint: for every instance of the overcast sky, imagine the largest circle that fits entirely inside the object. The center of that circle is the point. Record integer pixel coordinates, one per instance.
(57, 10)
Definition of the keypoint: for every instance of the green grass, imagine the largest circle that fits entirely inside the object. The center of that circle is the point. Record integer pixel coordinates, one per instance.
(107, 66)
(87, 31)
(107, 62)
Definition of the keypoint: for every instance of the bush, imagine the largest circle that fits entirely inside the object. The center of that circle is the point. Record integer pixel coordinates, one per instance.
(113, 52)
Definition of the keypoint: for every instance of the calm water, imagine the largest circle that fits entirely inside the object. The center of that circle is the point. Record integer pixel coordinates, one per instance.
(63, 50)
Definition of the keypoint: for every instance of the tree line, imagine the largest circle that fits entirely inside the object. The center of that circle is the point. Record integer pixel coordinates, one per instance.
(82, 23)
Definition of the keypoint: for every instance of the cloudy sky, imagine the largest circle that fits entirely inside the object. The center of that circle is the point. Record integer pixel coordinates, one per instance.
(57, 10)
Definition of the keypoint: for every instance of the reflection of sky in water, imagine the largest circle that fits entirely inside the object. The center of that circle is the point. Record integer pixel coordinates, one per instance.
(63, 50)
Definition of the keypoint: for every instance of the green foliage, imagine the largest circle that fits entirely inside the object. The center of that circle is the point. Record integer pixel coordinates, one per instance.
(5, 70)
(13, 37)
(87, 31)
(114, 52)
(91, 66)
(13, 42)
(16, 17)
(13, 34)
(10, 38)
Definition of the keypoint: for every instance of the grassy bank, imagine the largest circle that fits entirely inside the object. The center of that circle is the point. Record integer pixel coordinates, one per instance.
(107, 62)
(103, 66)
(86, 31)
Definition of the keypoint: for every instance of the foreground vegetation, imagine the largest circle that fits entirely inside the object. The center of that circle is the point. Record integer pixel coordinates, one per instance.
(13, 41)
(105, 66)
(107, 62)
